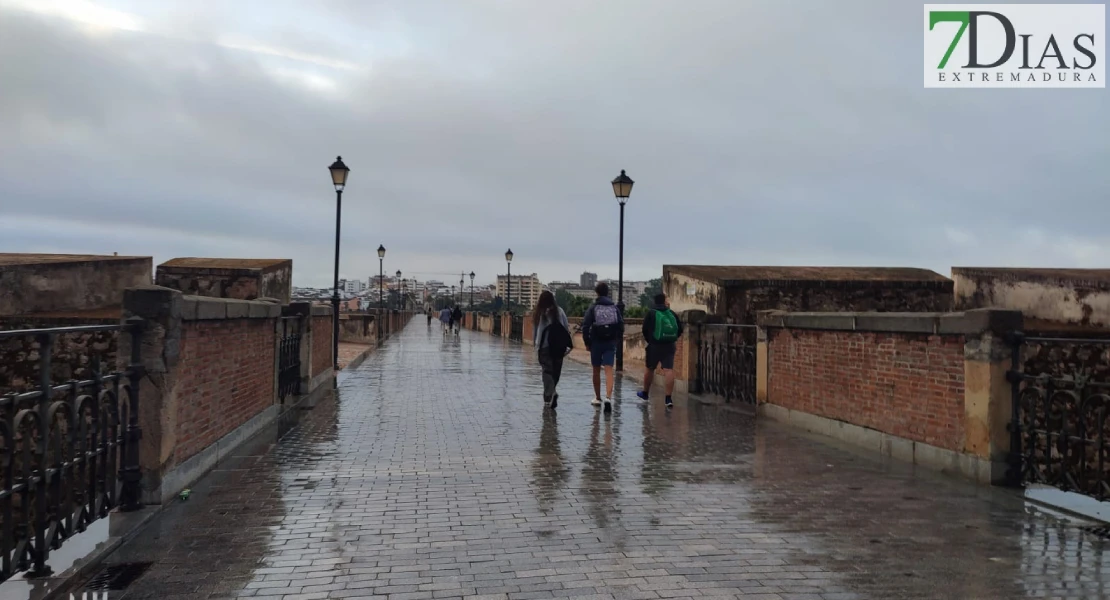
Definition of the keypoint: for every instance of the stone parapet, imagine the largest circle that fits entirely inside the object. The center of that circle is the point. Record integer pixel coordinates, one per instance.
(971, 322)
(933, 383)
(200, 308)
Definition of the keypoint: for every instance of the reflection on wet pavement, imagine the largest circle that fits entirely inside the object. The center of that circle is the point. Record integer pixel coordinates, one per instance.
(436, 473)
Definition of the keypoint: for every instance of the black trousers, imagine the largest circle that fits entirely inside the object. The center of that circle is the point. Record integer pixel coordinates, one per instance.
(552, 369)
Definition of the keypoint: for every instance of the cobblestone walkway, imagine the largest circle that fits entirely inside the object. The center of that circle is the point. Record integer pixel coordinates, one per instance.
(436, 474)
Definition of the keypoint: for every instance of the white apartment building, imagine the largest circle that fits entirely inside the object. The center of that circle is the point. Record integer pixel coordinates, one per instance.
(354, 286)
(523, 289)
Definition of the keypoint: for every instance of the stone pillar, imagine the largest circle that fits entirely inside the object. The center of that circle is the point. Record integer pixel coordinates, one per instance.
(161, 309)
(692, 320)
(762, 367)
(988, 401)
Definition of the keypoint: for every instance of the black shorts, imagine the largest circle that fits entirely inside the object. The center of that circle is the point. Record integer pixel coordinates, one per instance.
(660, 355)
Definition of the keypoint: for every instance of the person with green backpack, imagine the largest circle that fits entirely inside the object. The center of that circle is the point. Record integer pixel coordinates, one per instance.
(661, 329)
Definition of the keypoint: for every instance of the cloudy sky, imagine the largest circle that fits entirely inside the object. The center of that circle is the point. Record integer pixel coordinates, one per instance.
(758, 132)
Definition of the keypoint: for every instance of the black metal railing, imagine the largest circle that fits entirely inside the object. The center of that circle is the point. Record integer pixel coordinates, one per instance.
(517, 332)
(70, 452)
(289, 357)
(496, 328)
(1060, 428)
(726, 362)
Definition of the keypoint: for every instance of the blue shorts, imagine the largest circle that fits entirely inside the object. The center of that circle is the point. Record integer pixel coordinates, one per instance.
(603, 353)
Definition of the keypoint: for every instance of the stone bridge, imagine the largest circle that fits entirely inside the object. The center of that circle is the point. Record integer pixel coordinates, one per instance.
(434, 471)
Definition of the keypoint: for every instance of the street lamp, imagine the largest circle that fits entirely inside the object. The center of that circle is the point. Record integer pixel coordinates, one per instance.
(622, 187)
(381, 288)
(509, 281)
(398, 279)
(472, 290)
(339, 173)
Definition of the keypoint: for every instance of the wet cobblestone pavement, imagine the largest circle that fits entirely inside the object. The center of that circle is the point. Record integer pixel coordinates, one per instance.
(436, 474)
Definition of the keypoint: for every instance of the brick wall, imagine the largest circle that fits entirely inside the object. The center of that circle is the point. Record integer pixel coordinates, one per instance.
(904, 384)
(528, 332)
(321, 344)
(226, 378)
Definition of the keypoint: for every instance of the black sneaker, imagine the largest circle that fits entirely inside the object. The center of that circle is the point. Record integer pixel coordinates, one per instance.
(669, 402)
(608, 405)
(554, 401)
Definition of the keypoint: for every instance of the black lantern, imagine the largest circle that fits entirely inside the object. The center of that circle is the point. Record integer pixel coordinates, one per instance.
(339, 173)
(622, 187)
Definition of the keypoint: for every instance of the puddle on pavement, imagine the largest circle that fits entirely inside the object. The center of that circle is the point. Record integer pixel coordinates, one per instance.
(1070, 501)
(73, 550)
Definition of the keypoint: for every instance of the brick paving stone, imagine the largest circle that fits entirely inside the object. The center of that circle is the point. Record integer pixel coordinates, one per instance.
(435, 473)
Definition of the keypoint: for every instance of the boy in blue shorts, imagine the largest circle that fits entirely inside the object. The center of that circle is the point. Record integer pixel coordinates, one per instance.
(602, 330)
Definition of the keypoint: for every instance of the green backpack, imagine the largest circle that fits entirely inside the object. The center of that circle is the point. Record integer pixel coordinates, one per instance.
(666, 326)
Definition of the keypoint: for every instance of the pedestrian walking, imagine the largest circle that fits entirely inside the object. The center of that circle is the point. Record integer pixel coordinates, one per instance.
(661, 330)
(551, 332)
(602, 330)
(445, 318)
(456, 319)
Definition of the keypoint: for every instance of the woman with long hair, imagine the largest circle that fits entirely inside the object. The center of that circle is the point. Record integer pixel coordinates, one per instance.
(551, 334)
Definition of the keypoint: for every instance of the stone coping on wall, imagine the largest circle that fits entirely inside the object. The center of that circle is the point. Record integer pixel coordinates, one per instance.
(1094, 278)
(200, 308)
(346, 316)
(969, 322)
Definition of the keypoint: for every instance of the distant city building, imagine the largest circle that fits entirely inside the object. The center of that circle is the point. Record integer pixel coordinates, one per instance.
(631, 296)
(523, 289)
(354, 286)
(588, 280)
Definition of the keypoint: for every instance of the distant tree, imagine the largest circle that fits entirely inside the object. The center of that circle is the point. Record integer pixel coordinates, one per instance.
(655, 286)
(635, 312)
(564, 299)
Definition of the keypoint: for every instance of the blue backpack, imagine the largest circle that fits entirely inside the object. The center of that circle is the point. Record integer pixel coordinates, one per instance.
(606, 325)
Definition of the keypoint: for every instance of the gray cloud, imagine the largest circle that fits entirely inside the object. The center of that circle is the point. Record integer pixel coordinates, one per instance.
(760, 132)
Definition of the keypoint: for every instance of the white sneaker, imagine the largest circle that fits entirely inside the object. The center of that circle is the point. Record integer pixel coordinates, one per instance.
(596, 401)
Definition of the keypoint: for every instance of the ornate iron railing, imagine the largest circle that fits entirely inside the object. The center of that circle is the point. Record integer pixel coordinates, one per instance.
(726, 362)
(517, 332)
(70, 452)
(1060, 429)
(289, 357)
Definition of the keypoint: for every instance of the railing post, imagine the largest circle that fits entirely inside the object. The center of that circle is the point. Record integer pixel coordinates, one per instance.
(130, 473)
(42, 512)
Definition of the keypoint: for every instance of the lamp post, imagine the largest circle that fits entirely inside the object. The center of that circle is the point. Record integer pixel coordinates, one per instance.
(398, 279)
(381, 288)
(509, 281)
(622, 187)
(472, 290)
(339, 173)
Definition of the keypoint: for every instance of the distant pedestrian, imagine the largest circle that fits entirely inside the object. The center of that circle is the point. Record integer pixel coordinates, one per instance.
(661, 330)
(551, 332)
(456, 319)
(445, 318)
(602, 330)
